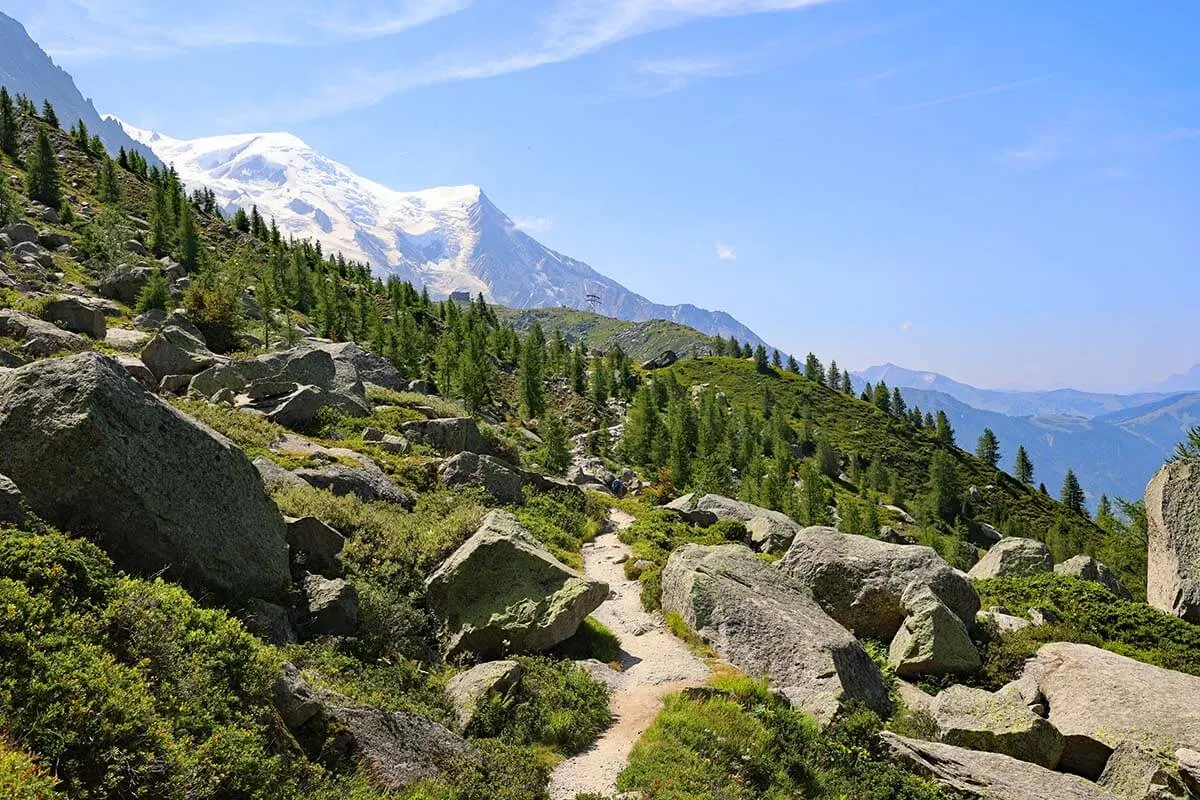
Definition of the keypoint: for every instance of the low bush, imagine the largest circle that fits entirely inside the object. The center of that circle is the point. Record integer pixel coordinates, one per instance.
(592, 640)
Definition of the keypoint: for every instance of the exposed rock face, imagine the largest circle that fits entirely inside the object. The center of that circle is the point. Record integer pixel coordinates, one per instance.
(294, 698)
(1173, 558)
(19, 232)
(1140, 773)
(366, 481)
(299, 409)
(860, 582)
(472, 469)
(39, 338)
(13, 510)
(772, 531)
(450, 435)
(1089, 569)
(77, 315)
(766, 624)
(369, 367)
(315, 379)
(275, 476)
(466, 689)
(589, 470)
(1189, 768)
(1005, 623)
(1099, 699)
(932, 640)
(176, 351)
(1015, 558)
(989, 775)
(662, 361)
(996, 722)
(313, 545)
(92, 451)
(125, 283)
(394, 749)
(685, 507)
(501, 592)
(332, 606)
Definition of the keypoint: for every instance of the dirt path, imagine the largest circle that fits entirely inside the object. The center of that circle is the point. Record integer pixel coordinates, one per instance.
(654, 662)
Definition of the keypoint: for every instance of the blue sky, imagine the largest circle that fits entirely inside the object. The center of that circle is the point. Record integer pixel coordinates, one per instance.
(1005, 192)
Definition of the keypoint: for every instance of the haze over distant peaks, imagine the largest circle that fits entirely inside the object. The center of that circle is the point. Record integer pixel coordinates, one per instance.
(450, 238)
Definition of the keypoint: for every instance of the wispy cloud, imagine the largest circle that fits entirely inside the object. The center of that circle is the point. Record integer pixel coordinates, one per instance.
(1181, 135)
(987, 90)
(725, 252)
(1042, 150)
(905, 326)
(533, 224)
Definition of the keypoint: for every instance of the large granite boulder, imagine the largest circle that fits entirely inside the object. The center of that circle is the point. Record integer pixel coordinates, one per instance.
(1173, 553)
(449, 435)
(1099, 699)
(125, 283)
(685, 507)
(13, 510)
(38, 338)
(78, 315)
(95, 453)
(860, 581)
(1086, 568)
(302, 366)
(1013, 558)
(19, 232)
(771, 531)
(471, 469)
(468, 689)
(932, 640)
(331, 606)
(501, 592)
(998, 722)
(366, 481)
(766, 624)
(1135, 772)
(313, 545)
(368, 367)
(393, 749)
(174, 350)
(992, 776)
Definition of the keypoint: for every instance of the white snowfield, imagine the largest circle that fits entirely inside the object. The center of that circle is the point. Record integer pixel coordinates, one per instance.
(451, 238)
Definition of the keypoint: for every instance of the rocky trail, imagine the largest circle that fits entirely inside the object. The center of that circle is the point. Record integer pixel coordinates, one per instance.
(654, 663)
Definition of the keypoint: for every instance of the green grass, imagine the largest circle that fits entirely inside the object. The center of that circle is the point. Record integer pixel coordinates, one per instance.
(684, 633)
(592, 640)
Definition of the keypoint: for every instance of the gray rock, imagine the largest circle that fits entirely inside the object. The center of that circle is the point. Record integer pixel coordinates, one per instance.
(299, 410)
(420, 386)
(150, 320)
(125, 283)
(275, 476)
(331, 605)
(1089, 569)
(176, 351)
(466, 689)
(302, 366)
(138, 371)
(1135, 772)
(860, 581)
(1099, 699)
(5, 242)
(173, 384)
(77, 315)
(501, 592)
(365, 481)
(450, 435)
(1005, 623)
(313, 545)
(367, 366)
(19, 232)
(266, 388)
(224, 397)
(766, 624)
(39, 338)
(9, 360)
(13, 510)
(1173, 554)
(126, 340)
(932, 640)
(685, 507)
(471, 469)
(1013, 558)
(48, 214)
(294, 698)
(773, 531)
(996, 722)
(53, 241)
(662, 361)
(136, 247)
(93, 451)
(989, 775)
(393, 749)
(585, 470)
(1189, 768)
(270, 622)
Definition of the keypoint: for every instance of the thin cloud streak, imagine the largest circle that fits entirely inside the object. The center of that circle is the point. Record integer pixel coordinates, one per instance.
(725, 252)
(955, 98)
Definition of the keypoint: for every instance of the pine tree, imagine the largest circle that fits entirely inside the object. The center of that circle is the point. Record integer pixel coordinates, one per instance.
(1023, 471)
(760, 359)
(48, 114)
(987, 449)
(155, 294)
(533, 354)
(793, 365)
(776, 360)
(241, 221)
(847, 384)
(108, 188)
(189, 241)
(944, 488)
(834, 377)
(898, 404)
(9, 132)
(813, 369)
(41, 175)
(828, 460)
(579, 369)
(160, 223)
(554, 437)
(1072, 493)
(945, 434)
(641, 427)
(881, 397)
(1104, 514)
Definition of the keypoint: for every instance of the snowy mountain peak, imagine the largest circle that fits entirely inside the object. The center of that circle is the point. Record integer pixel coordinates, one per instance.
(449, 238)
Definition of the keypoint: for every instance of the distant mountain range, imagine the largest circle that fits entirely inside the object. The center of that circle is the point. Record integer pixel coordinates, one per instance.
(1113, 442)
(1181, 381)
(25, 68)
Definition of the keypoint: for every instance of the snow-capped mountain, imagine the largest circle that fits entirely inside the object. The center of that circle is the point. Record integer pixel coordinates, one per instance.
(25, 68)
(449, 239)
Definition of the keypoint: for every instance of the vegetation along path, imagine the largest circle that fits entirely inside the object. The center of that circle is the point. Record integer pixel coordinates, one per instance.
(654, 663)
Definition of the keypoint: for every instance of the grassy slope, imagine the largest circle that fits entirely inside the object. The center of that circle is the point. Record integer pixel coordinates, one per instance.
(641, 340)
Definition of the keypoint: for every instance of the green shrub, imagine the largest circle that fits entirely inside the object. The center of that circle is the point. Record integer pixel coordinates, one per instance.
(562, 521)
(21, 778)
(155, 294)
(592, 640)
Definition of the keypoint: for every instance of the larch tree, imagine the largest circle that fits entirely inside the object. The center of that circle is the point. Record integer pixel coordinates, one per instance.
(987, 449)
(1023, 470)
(41, 175)
(1072, 495)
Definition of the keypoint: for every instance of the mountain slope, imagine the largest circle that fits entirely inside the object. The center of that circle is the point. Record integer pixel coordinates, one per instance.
(1163, 423)
(1070, 402)
(1181, 381)
(25, 68)
(448, 239)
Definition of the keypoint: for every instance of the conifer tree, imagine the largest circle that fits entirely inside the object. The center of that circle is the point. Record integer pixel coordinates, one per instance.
(241, 221)
(747, 350)
(1023, 470)
(1104, 514)
(8, 124)
(554, 437)
(834, 379)
(760, 359)
(641, 427)
(1072, 493)
(881, 397)
(813, 369)
(847, 384)
(189, 241)
(944, 488)
(776, 360)
(793, 365)
(48, 114)
(108, 188)
(579, 369)
(160, 223)
(533, 354)
(945, 434)
(987, 449)
(41, 176)
(898, 404)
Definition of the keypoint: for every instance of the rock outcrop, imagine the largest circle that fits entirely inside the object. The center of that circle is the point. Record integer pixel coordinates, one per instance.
(1013, 558)
(77, 314)
(932, 640)
(313, 545)
(448, 435)
(501, 592)
(366, 481)
(1099, 699)
(331, 606)
(1173, 553)
(998, 722)
(13, 510)
(989, 775)
(1087, 568)
(38, 338)
(467, 689)
(174, 350)
(771, 531)
(767, 624)
(94, 452)
(860, 582)
(471, 469)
